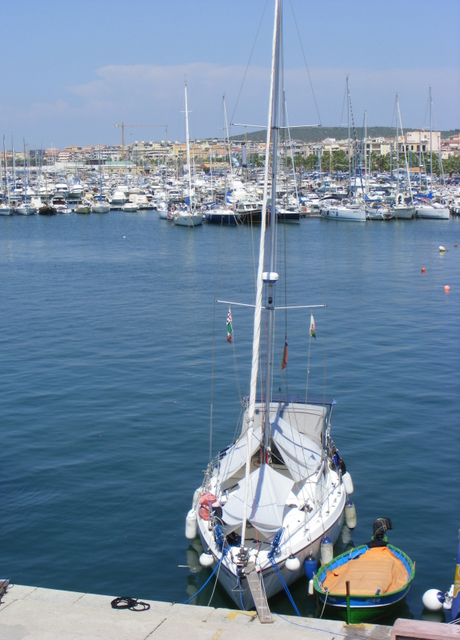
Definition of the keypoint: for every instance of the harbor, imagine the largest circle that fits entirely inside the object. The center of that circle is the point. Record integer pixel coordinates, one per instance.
(92, 425)
(229, 392)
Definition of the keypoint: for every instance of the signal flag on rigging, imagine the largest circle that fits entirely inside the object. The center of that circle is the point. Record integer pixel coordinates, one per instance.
(285, 355)
(229, 325)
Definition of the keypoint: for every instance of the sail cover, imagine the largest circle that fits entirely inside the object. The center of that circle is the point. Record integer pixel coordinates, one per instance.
(267, 495)
(235, 457)
(300, 454)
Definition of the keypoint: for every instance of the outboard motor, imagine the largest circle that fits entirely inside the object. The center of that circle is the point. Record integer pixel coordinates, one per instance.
(380, 527)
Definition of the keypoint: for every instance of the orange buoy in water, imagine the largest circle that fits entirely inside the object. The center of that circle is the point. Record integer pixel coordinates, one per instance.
(447, 288)
(455, 245)
(423, 269)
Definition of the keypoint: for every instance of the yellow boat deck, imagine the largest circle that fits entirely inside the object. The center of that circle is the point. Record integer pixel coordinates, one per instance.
(377, 571)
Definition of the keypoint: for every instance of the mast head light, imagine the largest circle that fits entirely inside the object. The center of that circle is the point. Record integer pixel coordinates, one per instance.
(270, 276)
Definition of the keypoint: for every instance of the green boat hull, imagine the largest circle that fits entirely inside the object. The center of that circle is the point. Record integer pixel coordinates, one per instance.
(362, 608)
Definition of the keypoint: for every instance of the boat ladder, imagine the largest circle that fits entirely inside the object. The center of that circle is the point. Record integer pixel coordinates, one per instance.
(257, 589)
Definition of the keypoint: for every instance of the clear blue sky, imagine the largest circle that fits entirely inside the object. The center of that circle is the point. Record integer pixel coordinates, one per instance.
(71, 69)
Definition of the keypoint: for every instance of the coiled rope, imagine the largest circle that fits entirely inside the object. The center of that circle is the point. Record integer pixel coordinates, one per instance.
(133, 604)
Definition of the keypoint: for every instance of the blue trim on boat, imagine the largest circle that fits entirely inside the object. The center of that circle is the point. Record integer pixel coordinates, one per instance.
(363, 601)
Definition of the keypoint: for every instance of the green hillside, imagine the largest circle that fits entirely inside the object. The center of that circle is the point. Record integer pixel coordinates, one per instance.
(308, 134)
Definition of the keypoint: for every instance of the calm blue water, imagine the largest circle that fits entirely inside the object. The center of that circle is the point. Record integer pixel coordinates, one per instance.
(108, 330)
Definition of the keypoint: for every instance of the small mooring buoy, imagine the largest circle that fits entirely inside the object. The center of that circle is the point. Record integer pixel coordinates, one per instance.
(433, 599)
(292, 563)
(447, 288)
(206, 559)
(423, 269)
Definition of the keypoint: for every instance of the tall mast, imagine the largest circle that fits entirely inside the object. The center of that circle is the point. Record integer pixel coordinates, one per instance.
(25, 173)
(261, 276)
(14, 163)
(7, 188)
(227, 139)
(187, 140)
(431, 147)
(270, 276)
(260, 271)
(348, 126)
(397, 144)
(406, 163)
(365, 155)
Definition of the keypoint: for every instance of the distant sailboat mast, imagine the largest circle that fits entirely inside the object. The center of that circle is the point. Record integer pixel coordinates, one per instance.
(187, 141)
(431, 146)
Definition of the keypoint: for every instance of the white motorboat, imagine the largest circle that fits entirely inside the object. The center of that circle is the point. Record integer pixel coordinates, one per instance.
(118, 199)
(268, 500)
(130, 207)
(377, 211)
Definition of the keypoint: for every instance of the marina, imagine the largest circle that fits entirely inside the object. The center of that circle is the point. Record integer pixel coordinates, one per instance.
(105, 407)
(219, 370)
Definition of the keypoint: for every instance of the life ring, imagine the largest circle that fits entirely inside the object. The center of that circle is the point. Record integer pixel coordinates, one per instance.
(207, 500)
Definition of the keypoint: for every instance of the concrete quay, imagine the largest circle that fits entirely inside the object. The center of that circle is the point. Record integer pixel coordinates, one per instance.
(32, 613)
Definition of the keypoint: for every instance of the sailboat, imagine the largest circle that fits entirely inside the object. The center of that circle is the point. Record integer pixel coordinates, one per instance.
(100, 205)
(6, 208)
(354, 209)
(403, 210)
(25, 208)
(428, 208)
(270, 499)
(188, 217)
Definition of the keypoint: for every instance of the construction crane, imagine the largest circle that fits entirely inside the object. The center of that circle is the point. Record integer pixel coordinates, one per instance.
(123, 125)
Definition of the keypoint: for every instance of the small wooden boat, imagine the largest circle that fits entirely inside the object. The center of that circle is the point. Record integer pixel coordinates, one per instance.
(367, 582)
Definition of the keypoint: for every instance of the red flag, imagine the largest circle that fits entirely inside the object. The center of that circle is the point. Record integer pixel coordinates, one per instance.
(285, 356)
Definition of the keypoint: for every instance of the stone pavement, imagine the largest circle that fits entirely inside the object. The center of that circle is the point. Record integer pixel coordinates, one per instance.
(32, 613)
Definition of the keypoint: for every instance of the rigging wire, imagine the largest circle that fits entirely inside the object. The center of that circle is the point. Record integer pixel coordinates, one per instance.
(249, 61)
(345, 98)
(212, 379)
(306, 65)
(326, 314)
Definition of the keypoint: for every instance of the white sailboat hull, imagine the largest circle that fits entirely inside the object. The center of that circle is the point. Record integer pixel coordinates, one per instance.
(403, 212)
(188, 219)
(282, 522)
(240, 592)
(353, 214)
(433, 213)
(100, 207)
(26, 210)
